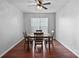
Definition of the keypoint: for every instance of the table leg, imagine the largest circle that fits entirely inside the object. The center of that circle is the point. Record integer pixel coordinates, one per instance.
(49, 43)
(28, 47)
(52, 42)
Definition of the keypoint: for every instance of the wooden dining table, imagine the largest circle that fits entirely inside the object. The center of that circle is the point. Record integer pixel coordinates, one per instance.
(46, 35)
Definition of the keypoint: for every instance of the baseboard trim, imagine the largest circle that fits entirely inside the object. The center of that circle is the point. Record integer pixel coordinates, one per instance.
(68, 48)
(11, 47)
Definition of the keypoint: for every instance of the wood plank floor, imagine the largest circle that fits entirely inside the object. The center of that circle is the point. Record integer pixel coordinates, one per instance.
(57, 51)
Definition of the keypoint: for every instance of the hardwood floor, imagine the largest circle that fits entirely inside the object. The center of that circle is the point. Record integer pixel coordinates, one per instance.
(57, 51)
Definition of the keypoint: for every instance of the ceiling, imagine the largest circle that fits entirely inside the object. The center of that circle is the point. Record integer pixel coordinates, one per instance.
(29, 5)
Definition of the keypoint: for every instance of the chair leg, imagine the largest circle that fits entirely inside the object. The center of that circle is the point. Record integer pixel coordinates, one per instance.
(25, 43)
(24, 46)
(52, 44)
(31, 44)
(45, 44)
(35, 47)
(42, 45)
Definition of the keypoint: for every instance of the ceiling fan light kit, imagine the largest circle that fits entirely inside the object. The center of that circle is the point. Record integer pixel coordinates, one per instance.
(39, 7)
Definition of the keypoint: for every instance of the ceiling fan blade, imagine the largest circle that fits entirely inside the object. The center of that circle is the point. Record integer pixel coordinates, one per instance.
(47, 3)
(44, 7)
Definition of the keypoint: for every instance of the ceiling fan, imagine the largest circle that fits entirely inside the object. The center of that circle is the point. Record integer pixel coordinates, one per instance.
(40, 4)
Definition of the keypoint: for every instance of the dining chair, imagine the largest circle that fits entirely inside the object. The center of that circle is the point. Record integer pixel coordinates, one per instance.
(51, 40)
(26, 40)
(38, 39)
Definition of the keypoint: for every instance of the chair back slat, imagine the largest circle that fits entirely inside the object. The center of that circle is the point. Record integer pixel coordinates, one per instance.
(38, 37)
(38, 30)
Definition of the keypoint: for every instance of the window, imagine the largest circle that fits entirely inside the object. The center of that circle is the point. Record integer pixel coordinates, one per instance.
(39, 23)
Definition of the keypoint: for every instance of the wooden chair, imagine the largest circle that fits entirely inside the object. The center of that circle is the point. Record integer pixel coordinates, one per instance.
(38, 39)
(26, 40)
(51, 40)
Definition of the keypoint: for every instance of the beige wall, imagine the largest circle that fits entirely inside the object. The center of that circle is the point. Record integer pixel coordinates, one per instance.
(67, 25)
(11, 26)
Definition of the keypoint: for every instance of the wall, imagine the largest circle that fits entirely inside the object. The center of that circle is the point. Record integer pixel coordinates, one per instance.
(67, 25)
(11, 26)
(50, 16)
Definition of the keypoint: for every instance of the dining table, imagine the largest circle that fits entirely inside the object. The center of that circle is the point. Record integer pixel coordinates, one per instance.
(46, 35)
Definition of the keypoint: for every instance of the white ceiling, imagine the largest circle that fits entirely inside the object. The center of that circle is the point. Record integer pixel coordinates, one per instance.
(28, 5)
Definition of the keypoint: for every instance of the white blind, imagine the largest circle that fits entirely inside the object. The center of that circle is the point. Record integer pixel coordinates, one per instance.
(39, 23)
